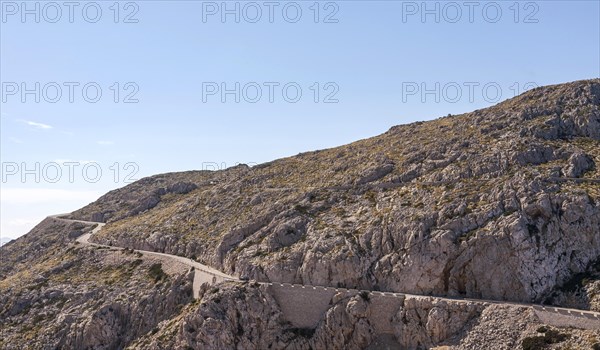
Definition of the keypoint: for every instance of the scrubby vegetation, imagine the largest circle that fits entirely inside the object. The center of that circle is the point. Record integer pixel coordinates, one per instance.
(156, 272)
(550, 336)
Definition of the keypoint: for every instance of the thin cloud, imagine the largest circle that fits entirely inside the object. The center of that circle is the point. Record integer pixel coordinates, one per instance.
(105, 143)
(36, 124)
(15, 140)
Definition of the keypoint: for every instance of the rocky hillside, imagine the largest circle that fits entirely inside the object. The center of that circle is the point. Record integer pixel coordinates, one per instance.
(221, 321)
(486, 204)
(55, 294)
(501, 203)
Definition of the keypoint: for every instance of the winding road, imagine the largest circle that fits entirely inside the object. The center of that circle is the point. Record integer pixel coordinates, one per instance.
(295, 296)
(207, 273)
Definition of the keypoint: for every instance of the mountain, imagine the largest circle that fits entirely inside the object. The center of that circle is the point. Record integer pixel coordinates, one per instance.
(4, 240)
(500, 204)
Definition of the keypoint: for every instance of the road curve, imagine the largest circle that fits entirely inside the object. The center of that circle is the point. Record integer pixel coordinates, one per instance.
(204, 273)
(207, 273)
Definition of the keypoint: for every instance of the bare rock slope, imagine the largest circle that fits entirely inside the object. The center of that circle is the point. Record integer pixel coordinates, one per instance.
(493, 204)
(501, 203)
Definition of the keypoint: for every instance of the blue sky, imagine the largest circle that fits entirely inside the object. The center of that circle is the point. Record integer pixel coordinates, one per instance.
(372, 61)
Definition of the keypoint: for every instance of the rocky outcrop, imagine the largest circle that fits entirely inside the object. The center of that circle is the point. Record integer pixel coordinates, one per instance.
(229, 316)
(578, 164)
(141, 196)
(424, 323)
(153, 199)
(236, 316)
(114, 324)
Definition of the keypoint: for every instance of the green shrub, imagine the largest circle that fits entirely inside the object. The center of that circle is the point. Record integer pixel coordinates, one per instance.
(260, 253)
(303, 332)
(302, 209)
(533, 343)
(552, 336)
(371, 197)
(156, 272)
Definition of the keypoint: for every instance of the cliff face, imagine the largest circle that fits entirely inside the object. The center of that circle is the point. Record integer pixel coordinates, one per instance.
(222, 319)
(501, 203)
(484, 204)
